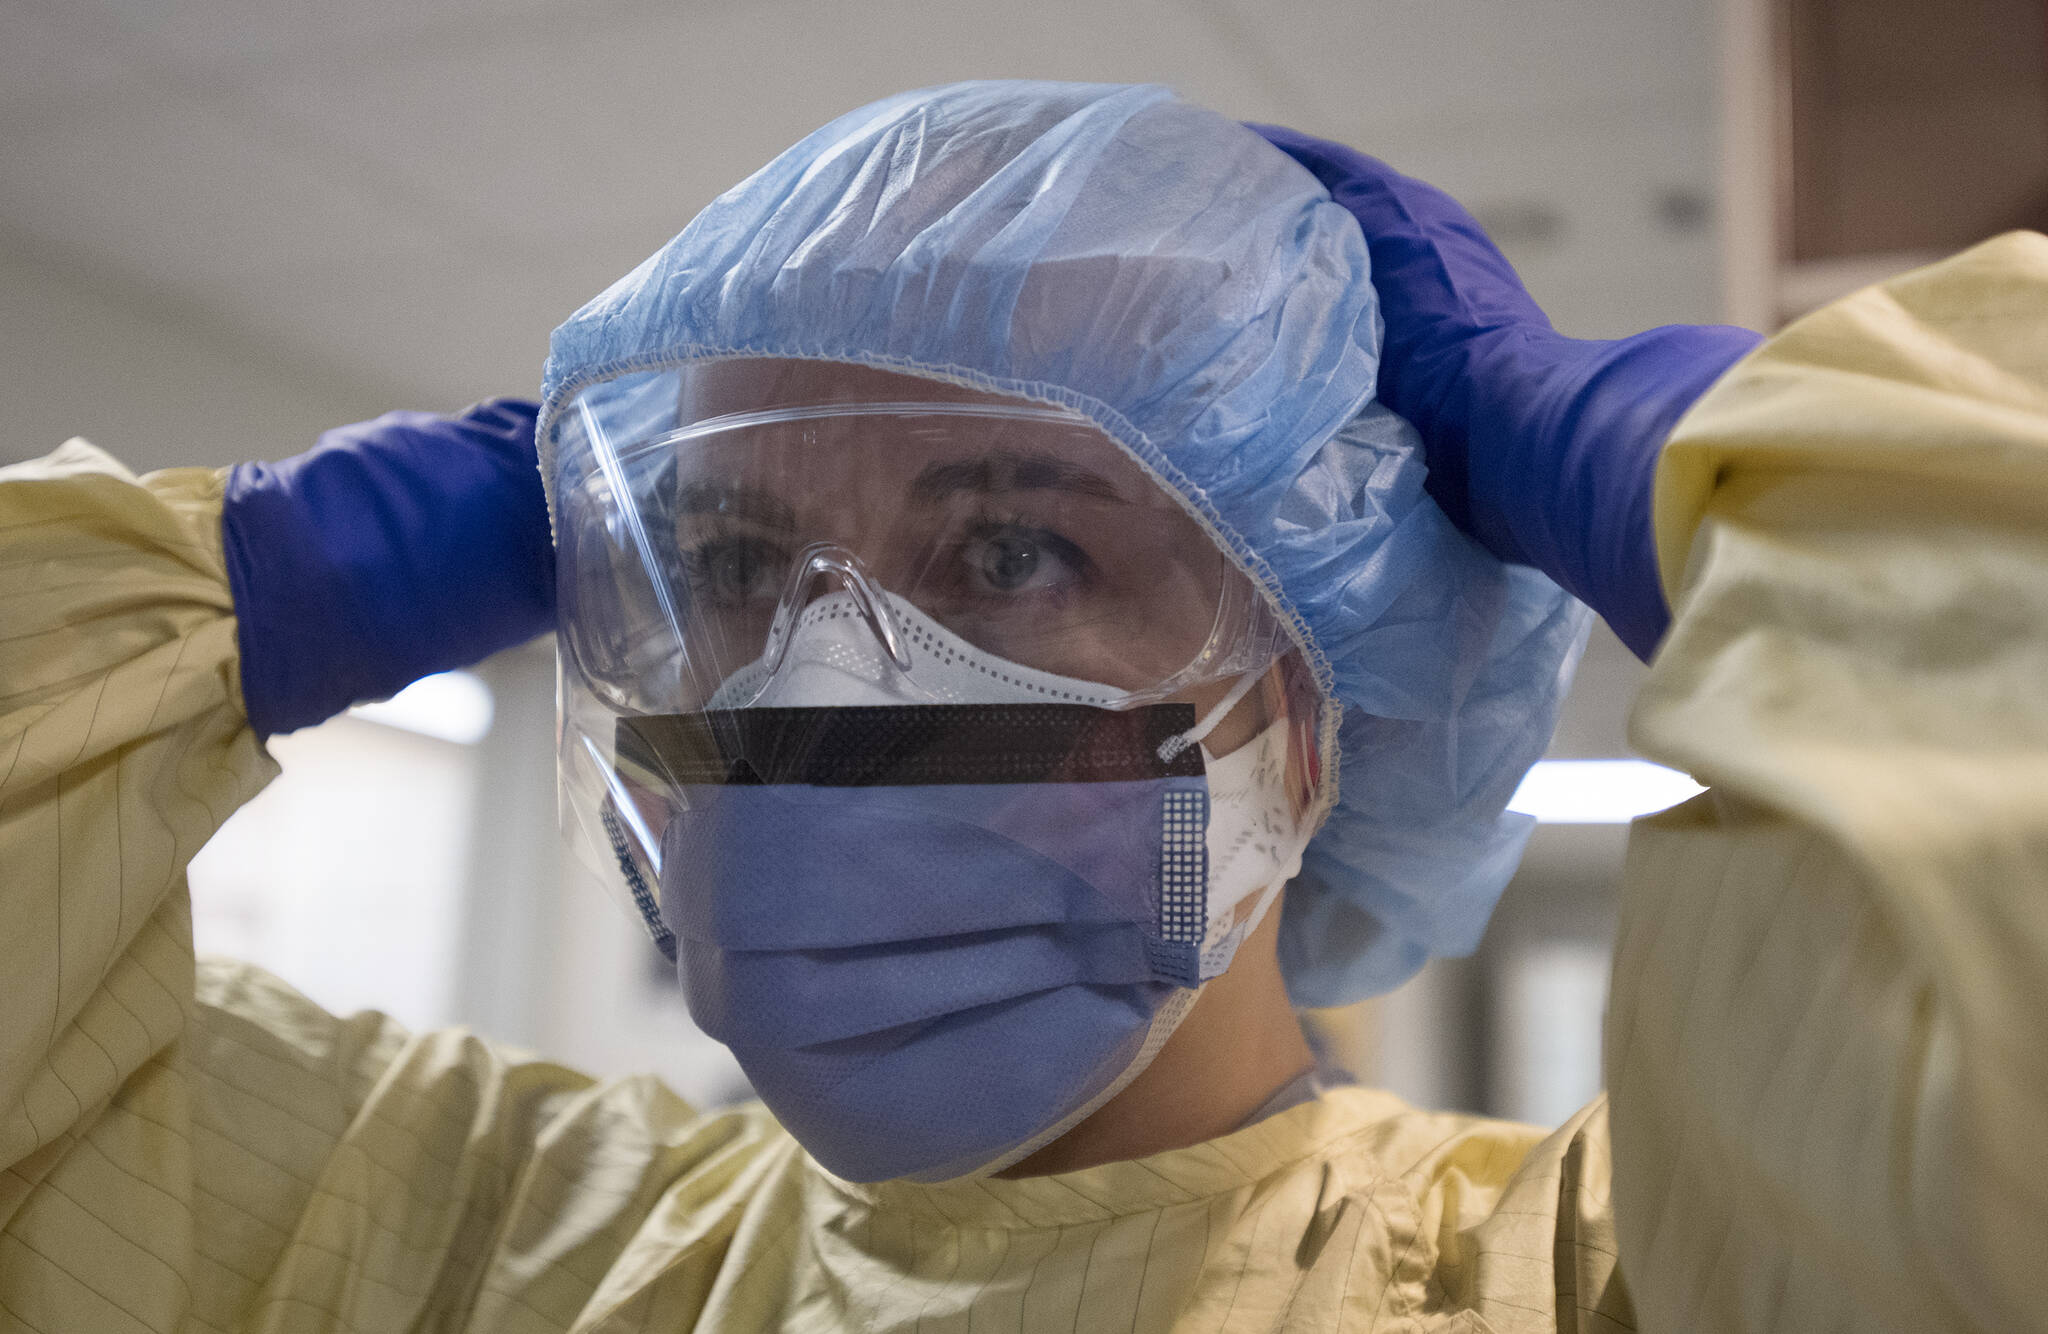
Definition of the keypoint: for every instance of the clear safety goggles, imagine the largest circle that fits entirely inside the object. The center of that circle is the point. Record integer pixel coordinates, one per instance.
(695, 526)
(709, 516)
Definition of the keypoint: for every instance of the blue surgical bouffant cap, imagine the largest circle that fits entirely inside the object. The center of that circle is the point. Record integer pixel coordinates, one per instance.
(1195, 293)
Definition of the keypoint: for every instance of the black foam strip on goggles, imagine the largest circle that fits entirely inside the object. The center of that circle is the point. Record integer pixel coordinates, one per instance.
(906, 744)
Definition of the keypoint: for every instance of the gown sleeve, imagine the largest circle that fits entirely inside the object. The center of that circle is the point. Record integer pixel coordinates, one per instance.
(190, 1147)
(1827, 1045)
(122, 748)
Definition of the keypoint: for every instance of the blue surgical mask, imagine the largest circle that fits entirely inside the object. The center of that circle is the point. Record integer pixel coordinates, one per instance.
(938, 935)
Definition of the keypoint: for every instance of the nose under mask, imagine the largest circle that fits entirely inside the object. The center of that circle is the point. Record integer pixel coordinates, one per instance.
(834, 658)
(933, 957)
(832, 655)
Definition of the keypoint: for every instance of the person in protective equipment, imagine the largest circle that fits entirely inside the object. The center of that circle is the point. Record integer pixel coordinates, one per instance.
(992, 577)
(978, 582)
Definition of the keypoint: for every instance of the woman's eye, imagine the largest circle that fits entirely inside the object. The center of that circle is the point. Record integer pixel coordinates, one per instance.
(1022, 561)
(735, 572)
(1008, 563)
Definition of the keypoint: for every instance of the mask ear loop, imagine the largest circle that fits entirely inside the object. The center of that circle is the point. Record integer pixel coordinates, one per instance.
(617, 812)
(1179, 742)
(1217, 956)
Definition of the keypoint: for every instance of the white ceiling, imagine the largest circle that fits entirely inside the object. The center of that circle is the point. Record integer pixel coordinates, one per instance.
(225, 222)
(412, 192)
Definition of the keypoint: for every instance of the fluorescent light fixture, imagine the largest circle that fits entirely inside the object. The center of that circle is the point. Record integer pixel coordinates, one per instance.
(450, 706)
(1600, 791)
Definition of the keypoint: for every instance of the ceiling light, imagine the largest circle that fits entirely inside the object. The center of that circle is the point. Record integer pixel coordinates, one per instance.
(1599, 791)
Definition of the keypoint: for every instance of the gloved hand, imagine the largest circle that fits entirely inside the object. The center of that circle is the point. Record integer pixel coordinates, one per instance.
(1542, 447)
(390, 550)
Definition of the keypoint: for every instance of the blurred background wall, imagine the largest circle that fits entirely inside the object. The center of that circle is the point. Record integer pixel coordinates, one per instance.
(226, 225)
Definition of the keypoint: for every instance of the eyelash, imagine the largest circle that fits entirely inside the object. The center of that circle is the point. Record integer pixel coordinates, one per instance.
(696, 559)
(993, 524)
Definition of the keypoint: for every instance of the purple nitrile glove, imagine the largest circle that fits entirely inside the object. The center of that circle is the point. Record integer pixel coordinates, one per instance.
(1542, 447)
(392, 549)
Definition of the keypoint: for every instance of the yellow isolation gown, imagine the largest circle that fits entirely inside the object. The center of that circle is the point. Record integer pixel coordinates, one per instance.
(1827, 1047)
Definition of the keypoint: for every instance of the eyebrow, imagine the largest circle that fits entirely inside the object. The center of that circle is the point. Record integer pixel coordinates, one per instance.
(1009, 470)
(749, 503)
